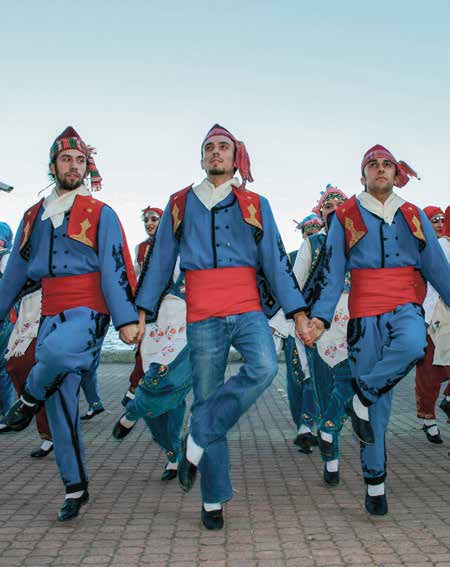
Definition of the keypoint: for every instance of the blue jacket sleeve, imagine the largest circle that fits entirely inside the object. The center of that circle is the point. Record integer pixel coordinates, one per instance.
(435, 266)
(115, 285)
(158, 275)
(276, 266)
(14, 278)
(333, 274)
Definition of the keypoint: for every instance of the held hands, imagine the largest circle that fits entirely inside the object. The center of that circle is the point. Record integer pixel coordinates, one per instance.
(129, 333)
(308, 331)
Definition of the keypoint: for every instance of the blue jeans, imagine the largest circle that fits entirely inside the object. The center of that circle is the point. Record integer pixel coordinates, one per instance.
(218, 404)
(89, 385)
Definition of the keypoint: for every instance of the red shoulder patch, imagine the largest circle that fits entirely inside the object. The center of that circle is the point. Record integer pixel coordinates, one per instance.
(412, 217)
(29, 219)
(142, 252)
(250, 205)
(84, 219)
(177, 206)
(351, 219)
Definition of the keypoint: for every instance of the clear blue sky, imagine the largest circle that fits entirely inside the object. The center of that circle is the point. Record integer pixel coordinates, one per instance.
(308, 86)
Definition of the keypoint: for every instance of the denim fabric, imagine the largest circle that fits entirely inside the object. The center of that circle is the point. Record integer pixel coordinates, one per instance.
(218, 404)
(89, 385)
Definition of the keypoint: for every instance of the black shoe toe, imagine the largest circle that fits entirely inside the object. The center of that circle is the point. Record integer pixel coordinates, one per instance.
(187, 472)
(20, 415)
(88, 416)
(361, 427)
(376, 505)
(436, 439)
(72, 506)
(212, 520)
(41, 453)
(305, 441)
(119, 431)
(169, 474)
(331, 478)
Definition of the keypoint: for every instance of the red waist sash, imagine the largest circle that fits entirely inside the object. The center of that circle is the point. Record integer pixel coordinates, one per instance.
(376, 291)
(67, 292)
(220, 292)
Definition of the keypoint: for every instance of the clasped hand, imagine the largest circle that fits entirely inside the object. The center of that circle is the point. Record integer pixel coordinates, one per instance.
(308, 330)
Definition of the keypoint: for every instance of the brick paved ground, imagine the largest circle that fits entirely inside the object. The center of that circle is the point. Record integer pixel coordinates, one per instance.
(282, 513)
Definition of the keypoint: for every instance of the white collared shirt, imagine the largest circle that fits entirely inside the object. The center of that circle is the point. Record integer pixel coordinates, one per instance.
(386, 210)
(210, 195)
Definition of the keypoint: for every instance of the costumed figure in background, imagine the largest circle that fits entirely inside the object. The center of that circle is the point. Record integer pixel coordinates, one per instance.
(7, 396)
(328, 363)
(434, 368)
(389, 247)
(75, 246)
(160, 395)
(309, 225)
(151, 217)
(300, 394)
(222, 234)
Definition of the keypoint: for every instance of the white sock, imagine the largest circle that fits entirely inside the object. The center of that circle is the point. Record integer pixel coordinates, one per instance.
(303, 429)
(3, 425)
(78, 494)
(332, 466)
(46, 445)
(209, 507)
(26, 403)
(89, 411)
(432, 428)
(447, 398)
(127, 423)
(131, 395)
(171, 466)
(375, 489)
(194, 452)
(360, 409)
(326, 436)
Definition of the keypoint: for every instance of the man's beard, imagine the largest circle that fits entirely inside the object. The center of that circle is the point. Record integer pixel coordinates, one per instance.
(216, 171)
(68, 185)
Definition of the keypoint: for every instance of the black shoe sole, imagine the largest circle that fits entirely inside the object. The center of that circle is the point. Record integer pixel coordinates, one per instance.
(355, 423)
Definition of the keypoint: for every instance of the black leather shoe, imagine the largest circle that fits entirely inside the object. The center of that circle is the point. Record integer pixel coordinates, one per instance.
(331, 478)
(119, 431)
(6, 429)
(326, 448)
(169, 474)
(90, 414)
(41, 453)
(72, 507)
(445, 407)
(437, 439)
(20, 415)
(376, 505)
(361, 427)
(305, 441)
(212, 520)
(186, 470)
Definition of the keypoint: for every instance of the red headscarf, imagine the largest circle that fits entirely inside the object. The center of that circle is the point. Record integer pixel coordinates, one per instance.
(431, 211)
(241, 157)
(71, 140)
(330, 192)
(404, 171)
(148, 210)
(446, 229)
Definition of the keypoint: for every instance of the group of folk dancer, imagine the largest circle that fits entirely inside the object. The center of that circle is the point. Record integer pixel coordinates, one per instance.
(364, 300)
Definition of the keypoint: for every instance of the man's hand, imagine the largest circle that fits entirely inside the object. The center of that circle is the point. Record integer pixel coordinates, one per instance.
(129, 333)
(303, 328)
(317, 328)
(141, 331)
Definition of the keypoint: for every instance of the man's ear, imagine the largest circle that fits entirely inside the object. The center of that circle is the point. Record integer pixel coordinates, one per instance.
(52, 169)
(363, 181)
(202, 164)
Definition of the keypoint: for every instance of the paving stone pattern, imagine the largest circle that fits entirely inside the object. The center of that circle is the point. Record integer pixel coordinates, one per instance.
(282, 513)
